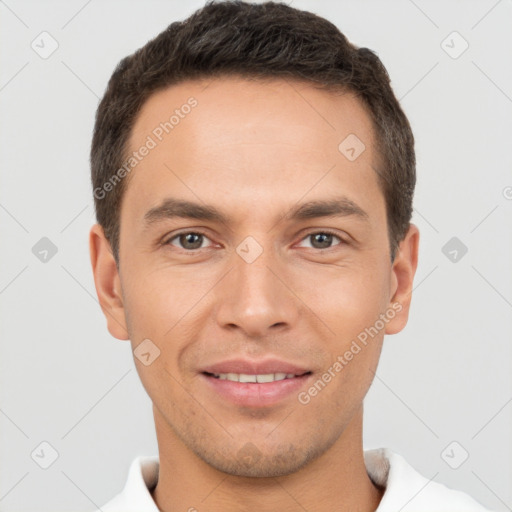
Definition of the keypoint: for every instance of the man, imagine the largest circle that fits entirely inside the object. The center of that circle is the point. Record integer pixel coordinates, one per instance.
(253, 175)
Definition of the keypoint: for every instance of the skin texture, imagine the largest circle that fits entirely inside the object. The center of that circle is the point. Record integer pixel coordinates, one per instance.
(255, 150)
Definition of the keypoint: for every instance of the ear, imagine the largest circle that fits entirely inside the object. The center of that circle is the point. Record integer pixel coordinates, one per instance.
(107, 282)
(402, 277)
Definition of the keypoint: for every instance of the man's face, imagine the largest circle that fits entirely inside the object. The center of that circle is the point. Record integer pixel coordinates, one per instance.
(265, 290)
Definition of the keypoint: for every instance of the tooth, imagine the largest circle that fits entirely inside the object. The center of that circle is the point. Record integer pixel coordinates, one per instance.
(261, 378)
(247, 378)
(268, 377)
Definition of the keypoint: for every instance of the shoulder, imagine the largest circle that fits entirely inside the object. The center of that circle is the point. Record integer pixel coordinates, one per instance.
(408, 491)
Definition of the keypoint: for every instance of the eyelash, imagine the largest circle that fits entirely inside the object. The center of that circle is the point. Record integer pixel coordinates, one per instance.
(199, 232)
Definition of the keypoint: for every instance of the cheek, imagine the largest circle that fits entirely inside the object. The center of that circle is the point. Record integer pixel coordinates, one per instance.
(168, 306)
(153, 292)
(156, 309)
(347, 298)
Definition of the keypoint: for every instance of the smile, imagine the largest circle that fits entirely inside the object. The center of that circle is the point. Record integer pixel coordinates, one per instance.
(260, 378)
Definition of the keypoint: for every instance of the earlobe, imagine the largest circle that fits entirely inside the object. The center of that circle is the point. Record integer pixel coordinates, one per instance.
(107, 282)
(402, 278)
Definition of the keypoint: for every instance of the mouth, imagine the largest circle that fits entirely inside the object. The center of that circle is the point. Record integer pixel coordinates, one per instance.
(254, 388)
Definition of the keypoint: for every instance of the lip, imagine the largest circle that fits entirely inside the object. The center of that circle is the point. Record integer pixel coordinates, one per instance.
(255, 394)
(255, 367)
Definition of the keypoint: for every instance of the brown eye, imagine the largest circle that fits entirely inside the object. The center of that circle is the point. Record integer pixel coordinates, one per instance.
(189, 241)
(322, 239)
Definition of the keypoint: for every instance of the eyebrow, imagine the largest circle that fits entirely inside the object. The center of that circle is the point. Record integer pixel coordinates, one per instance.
(173, 208)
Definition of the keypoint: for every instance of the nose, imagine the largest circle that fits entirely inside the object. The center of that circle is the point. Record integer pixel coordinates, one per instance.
(256, 297)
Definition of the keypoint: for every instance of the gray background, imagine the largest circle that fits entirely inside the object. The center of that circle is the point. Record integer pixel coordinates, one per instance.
(66, 381)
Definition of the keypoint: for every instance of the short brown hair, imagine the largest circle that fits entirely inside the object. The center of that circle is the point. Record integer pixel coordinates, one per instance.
(269, 40)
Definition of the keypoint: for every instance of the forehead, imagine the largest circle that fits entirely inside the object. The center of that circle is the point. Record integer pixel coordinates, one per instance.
(226, 109)
(252, 138)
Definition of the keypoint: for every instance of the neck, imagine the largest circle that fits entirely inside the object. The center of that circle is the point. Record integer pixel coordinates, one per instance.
(336, 480)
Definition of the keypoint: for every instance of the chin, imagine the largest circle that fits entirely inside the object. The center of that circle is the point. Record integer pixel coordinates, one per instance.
(268, 462)
(266, 466)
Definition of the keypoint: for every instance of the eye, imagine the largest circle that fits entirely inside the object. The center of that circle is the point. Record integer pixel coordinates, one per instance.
(190, 240)
(322, 239)
(193, 240)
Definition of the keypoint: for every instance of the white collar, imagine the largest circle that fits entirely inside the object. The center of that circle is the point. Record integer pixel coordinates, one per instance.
(405, 489)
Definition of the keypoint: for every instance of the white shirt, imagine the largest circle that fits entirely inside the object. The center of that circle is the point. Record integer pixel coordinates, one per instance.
(405, 489)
